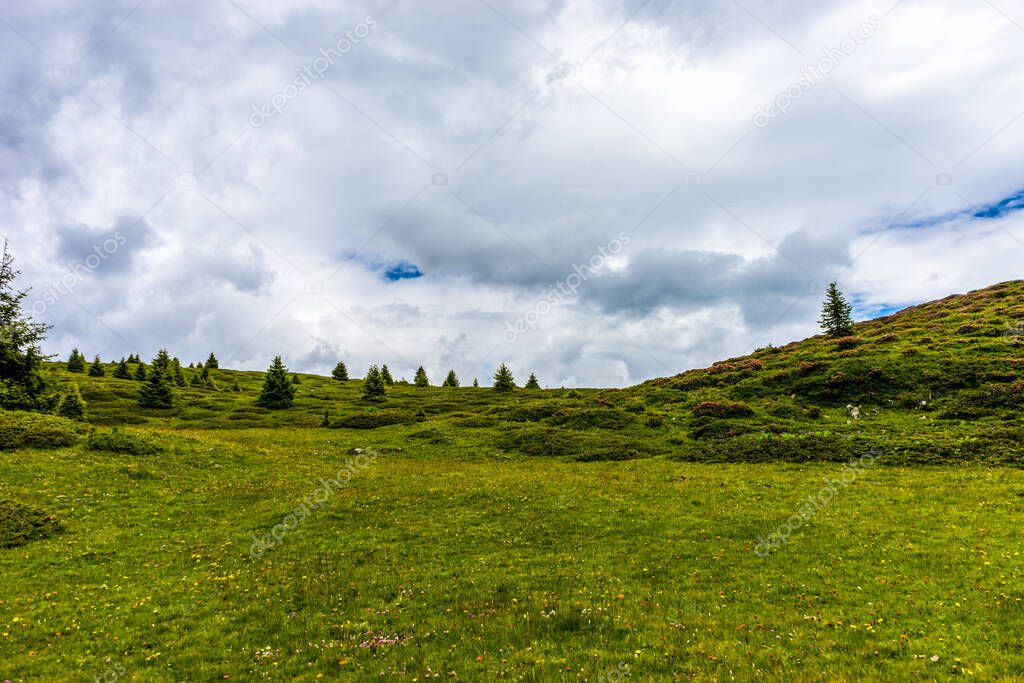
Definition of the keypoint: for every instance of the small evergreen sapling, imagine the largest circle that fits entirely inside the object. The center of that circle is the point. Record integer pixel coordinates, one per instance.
(96, 369)
(503, 380)
(374, 388)
(532, 382)
(212, 362)
(340, 372)
(157, 392)
(451, 380)
(835, 313)
(71, 404)
(421, 378)
(140, 372)
(278, 391)
(386, 375)
(122, 371)
(76, 361)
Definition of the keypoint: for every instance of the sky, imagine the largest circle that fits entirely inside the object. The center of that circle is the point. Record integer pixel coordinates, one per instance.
(598, 192)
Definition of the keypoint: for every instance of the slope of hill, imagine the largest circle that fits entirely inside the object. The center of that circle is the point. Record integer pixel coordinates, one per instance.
(937, 382)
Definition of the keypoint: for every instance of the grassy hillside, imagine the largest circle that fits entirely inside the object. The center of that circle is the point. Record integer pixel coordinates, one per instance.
(470, 535)
(935, 383)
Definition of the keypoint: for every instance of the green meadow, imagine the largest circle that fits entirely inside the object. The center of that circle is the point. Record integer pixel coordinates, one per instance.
(827, 511)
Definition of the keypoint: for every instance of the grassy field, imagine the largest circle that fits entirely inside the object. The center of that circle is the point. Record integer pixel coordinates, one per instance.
(444, 560)
(741, 522)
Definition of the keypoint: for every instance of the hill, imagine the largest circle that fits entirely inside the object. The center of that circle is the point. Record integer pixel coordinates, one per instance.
(454, 534)
(939, 382)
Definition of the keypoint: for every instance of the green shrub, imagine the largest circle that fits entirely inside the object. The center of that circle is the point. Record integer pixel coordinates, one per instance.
(721, 410)
(374, 419)
(33, 430)
(21, 524)
(117, 441)
(584, 418)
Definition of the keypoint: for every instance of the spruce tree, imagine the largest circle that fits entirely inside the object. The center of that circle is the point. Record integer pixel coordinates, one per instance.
(326, 421)
(835, 313)
(76, 361)
(374, 388)
(503, 380)
(451, 380)
(212, 362)
(421, 378)
(71, 404)
(140, 372)
(340, 372)
(532, 382)
(278, 391)
(475, 382)
(157, 392)
(295, 379)
(195, 380)
(22, 384)
(179, 376)
(205, 374)
(96, 369)
(122, 371)
(134, 358)
(386, 375)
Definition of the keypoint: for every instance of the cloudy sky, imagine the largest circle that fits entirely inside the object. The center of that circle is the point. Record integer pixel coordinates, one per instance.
(601, 192)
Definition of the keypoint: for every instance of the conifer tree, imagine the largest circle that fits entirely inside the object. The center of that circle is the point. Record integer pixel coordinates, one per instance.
(211, 384)
(451, 380)
(212, 362)
(386, 375)
(374, 388)
(236, 387)
(475, 383)
(205, 374)
(122, 371)
(326, 421)
(421, 378)
(71, 404)
(340, 372)
(96, 369)
(195, 380)
(134, 358)
(179, 376)
(295, 379)
(503, 380)
(278, 391)
(76, 361)
(140, 372)
(835, 313)
(157, 392)
(532, 382)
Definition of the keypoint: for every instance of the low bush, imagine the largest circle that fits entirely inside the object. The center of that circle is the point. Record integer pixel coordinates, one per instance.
(118, 441)
(35, 430)
(375, 419)
(721, 410)
(21, 524)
